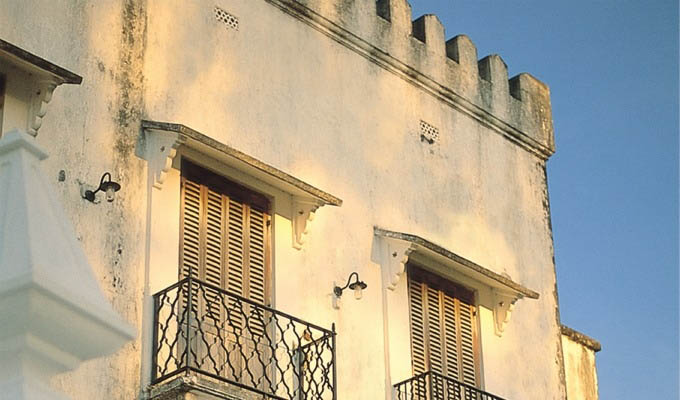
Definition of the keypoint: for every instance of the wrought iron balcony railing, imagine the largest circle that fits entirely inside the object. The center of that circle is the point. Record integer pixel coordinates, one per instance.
(229, 338)
(434, 386)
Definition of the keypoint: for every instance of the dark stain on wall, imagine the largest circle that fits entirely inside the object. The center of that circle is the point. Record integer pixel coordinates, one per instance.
(129, 78)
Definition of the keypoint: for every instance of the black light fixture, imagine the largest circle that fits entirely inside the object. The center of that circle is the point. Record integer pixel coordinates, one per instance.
(358, 286)
(105, 185)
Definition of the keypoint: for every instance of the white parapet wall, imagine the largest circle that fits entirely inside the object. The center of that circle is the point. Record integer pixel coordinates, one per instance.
(579, 364)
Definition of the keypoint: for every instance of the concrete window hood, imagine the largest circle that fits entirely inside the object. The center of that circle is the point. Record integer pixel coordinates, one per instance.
(398, 248)
(29, 83)
(161, 141)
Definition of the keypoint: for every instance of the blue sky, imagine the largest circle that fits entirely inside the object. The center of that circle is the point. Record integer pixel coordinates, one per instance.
(612, 67)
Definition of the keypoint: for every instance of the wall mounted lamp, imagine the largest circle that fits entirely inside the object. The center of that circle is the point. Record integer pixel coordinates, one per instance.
(358, 286)
(105, 185)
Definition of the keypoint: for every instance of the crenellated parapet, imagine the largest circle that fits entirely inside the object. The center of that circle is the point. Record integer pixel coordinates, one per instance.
(384, 32)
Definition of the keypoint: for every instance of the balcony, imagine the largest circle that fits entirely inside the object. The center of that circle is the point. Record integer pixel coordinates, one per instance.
(237, 344)
(434, 386)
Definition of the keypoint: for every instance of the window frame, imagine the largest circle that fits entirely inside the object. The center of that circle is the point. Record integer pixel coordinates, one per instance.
(421, 274)
(204, 176)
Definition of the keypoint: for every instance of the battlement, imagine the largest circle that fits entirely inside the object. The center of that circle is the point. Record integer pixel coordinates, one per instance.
(384, 32)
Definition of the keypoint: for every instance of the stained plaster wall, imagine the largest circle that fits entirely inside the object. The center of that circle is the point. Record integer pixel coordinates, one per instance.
(287, 94)
(90, 129)
(293, 97)
(580, 371)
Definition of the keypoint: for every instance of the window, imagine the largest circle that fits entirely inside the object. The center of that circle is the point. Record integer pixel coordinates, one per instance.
(224, 242)
(443, 327)
(225, 234)
(213, 230)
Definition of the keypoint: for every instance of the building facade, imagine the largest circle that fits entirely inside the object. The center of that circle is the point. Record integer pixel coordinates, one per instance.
(274, 156)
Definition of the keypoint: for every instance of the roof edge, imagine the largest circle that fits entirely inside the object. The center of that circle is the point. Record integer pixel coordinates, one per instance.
(581, 338)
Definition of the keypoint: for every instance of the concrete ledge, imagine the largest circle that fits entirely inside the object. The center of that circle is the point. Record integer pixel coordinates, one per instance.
(581, 338)
(257, 168)
(465, 266)
(196, 387)
(19, 56)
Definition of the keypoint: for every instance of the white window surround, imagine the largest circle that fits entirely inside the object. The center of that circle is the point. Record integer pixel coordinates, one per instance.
(392, 251)
(163, 145)
(398, 248)
(161, 141)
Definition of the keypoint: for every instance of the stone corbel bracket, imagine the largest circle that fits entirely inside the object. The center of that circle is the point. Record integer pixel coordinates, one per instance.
(503, 304)
(40, 97)
(303, 214)
(159, 149)
(394, 255)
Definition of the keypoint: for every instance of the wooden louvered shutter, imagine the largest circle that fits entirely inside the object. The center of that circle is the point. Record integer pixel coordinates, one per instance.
(190, 252)
(257, 255)
(236, 242)
(191, 242)
(224, 234)
(467, 342)
(201, 242)
(212, 255)
(434, 330)
(225, 243)
(442, 327)
(450, 336)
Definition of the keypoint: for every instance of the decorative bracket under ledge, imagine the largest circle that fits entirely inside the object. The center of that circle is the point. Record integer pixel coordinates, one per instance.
(303, 214)
(40, 97)
(159, 149)
(394, 255)
(503, 304)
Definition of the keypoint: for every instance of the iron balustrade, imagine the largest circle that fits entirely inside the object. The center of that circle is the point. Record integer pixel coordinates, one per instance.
(232, 339)
(434, 386)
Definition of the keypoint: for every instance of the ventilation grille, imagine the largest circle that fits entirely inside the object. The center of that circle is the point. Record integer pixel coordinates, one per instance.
(224, 17)
(428, 133)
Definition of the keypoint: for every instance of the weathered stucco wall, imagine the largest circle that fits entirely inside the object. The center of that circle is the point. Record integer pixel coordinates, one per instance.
(294, 96)
(289, 95)
(579, 364)
(90, 129)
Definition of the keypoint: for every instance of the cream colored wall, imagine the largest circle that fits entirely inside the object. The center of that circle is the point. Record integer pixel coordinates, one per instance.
(292, 97)
(345, 125)
(580, 371)
(90, 129)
